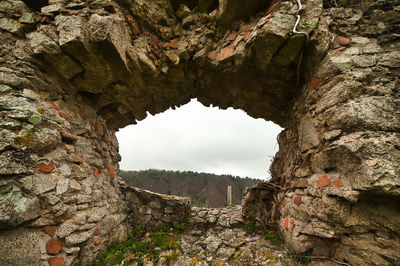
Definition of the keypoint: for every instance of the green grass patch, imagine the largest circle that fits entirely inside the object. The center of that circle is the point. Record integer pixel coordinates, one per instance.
(274, 237)
(305, 24)
(143, 245)
(302, 258)
(250, 227)
(181, 227)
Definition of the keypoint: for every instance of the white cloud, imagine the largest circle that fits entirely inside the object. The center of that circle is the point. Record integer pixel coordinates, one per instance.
(197, 138)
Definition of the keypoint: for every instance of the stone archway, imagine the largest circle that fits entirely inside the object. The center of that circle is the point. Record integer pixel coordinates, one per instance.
(77, 71)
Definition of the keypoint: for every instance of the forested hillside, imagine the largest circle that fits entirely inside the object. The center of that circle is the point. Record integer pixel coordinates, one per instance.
(204, 189)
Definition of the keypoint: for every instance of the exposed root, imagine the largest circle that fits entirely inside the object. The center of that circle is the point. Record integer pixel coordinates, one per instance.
(298, 20)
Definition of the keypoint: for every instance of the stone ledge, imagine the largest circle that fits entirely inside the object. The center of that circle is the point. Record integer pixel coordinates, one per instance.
(153, 210)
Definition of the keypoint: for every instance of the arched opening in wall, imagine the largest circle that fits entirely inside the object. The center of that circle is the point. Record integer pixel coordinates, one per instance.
(198, 151)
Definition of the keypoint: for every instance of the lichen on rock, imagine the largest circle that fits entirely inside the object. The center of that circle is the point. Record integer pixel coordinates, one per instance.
(74, 72)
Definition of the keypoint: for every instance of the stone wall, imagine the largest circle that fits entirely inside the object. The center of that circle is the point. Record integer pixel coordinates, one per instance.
(73, 72)
(60, 196)
(336, 174)
(153, 210)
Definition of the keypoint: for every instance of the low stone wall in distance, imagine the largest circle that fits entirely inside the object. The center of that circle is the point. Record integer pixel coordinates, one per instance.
(152, 210)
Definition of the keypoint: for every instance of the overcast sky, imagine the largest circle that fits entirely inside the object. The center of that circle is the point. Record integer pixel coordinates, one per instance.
(198, 138)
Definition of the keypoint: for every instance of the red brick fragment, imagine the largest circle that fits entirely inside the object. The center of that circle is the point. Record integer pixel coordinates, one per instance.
(282, 205)
(229, 213)
(112, 174)
(69, 11)
(54, 106)
(96, 231)
(156, 42)
(83, 114)
(226, 53)
(130, 55)
(245, 28)
(174, 43)
(53, 246)
(291, 225)
(56, 261)
(341, 48)
(135, 28)
(315, 82)
(297, 200)
(96, 172)
(337, 182)
(96, 240)
(50, 230)
(273, 8)
(40, 74)
(286, 223)
(212, 55)
(342, 40)
(45, 168)
(323, 181)
(231, 36)
(245, 34)
(63, 115)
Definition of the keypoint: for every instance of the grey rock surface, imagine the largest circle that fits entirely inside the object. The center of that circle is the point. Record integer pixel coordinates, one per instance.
(71, 73)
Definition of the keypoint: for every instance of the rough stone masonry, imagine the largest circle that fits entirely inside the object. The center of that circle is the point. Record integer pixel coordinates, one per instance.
(72, 72)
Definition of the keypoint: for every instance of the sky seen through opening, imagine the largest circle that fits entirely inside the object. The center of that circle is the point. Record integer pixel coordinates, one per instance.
(201, 139)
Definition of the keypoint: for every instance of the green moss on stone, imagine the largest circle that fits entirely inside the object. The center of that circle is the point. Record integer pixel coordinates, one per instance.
(42, 134)
(19, 202)
(5, 88)
(35, 119)
(23, 141)
(27, 18)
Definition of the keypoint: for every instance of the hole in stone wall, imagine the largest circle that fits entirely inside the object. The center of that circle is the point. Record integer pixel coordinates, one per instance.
(208, 6)
(200, 5)
(87, 97)
(68, 140)
(200, 140)
(36, 4)
(189, 3)
(329, 169)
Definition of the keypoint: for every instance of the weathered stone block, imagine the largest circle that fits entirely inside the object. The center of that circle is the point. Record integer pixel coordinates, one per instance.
(16, 207)
(77, 238)
(22, 246)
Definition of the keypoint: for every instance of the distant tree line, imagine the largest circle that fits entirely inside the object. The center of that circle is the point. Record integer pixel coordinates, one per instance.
(204, 189)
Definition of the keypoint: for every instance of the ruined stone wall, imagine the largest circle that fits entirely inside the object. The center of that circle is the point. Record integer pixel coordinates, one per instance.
(59, 192)
(73, 72)
(153, 210)
(60, 196)
(337, 172)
